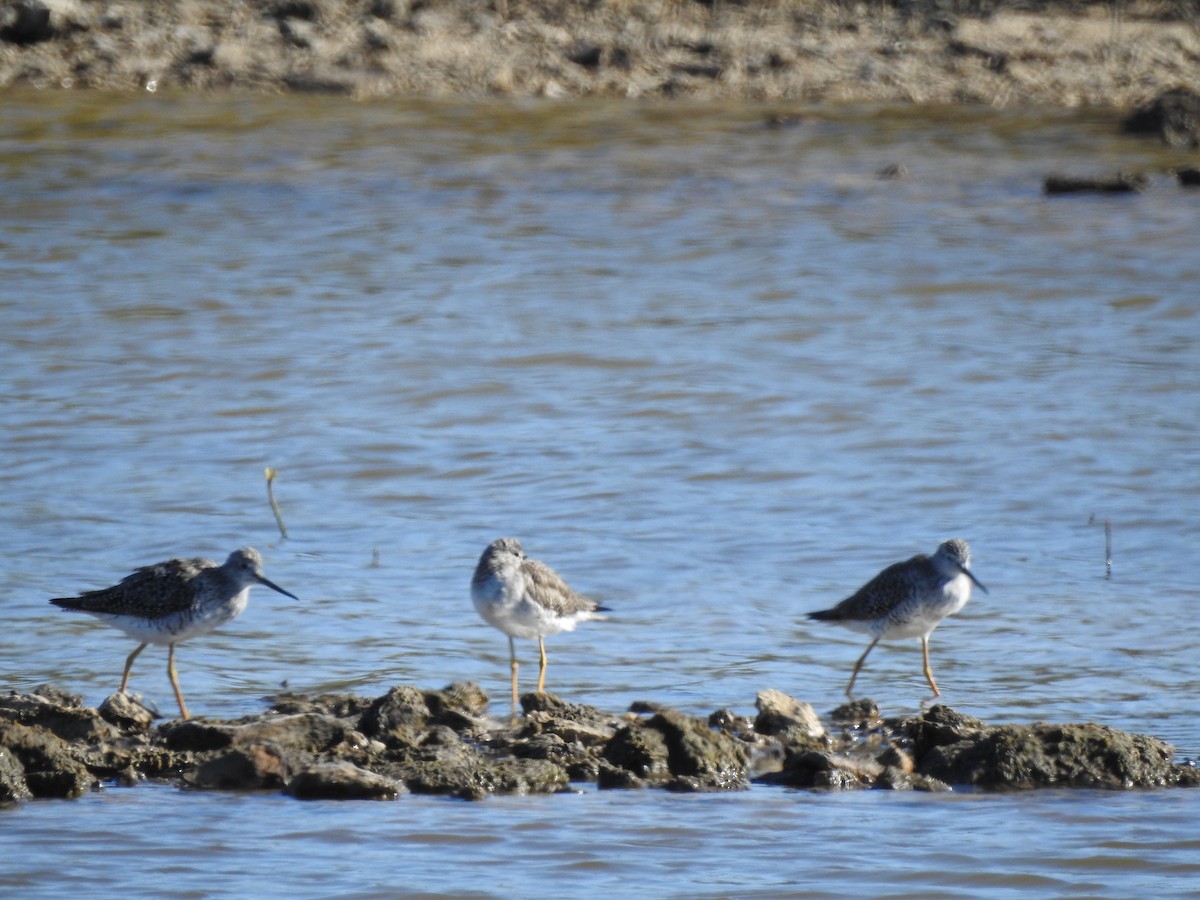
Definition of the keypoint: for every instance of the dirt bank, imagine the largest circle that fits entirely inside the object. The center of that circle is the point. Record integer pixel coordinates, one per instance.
(925, 51)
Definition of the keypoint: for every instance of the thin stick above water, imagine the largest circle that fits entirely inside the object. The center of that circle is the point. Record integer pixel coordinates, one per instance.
(1107, 549)
(271, 473)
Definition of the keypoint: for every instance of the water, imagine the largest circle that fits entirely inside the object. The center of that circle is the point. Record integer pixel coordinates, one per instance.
(716, 375)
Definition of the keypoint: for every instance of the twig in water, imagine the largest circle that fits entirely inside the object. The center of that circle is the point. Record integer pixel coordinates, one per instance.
(1107, 549)
(271, 473)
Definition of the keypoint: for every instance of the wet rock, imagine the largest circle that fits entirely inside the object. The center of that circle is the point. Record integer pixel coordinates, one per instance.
(397, 717)
(440, 742)
(196, 735)
(895, 758)
(462, 705)
(794, 723)
(304, 734)
(255, 766)
(1174, 116)
(823, 769)
(642, 752)
(862, 713)
(12, 778)
(612, 777)
(1188, 176)
(58, 713)
(459, 770)
(580, 763)
(573, 722)
(699, 758)
(1015, 756)
(50, 769)
(340, 706)
(341, 781)
(126, 713)
(1120, 183)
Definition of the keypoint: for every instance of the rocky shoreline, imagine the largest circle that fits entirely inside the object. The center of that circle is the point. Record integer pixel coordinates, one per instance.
(443, 742)
(995, 52)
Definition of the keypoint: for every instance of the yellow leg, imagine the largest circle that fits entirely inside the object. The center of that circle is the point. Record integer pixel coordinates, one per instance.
(129, 666)
(928, 670)
(542, 667)
(512, 659)
(175, 680)
(858, 667)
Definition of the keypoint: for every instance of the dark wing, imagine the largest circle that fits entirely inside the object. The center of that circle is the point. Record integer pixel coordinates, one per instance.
(151, 591)
(547, 589)
(880, 595)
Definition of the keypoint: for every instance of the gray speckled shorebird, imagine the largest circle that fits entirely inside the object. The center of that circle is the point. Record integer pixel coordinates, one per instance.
(908, 599)
(527, 599)
(171, 601)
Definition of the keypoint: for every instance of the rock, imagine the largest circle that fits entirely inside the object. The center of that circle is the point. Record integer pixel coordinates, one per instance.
(1016, 756)
(341, 781)
(305, 733)
(793, 722)
(340, 706)
(895, 758)
(195, 735)
(50, 769)
(462, 771)
(439, 742)
(642, 752)
(254, 766)
(857, 713)
(699, 758)
(397, 717)
(822, 769)
(460, 705)
(58, 713)
(1174, 116)
(1120, 183)
(578, 760)
(1188, 176)
(573, 722)
(13, 786)
(126, 713)
(939, 726)
(27, 22)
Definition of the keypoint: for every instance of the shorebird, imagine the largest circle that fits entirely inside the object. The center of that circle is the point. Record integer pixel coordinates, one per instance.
(525, 598)
(908, 599)
(171, 601)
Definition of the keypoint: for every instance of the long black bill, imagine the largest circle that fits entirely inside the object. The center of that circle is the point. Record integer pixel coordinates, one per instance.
(966, 572)
(273, 586)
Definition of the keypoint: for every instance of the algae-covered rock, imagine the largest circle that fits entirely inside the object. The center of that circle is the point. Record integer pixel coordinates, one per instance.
(13, 786)
(1015, 756)
(680, 753)
(48, 763)
(442, 742)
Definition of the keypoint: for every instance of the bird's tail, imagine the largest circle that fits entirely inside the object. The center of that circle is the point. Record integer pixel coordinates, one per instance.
(825, 615)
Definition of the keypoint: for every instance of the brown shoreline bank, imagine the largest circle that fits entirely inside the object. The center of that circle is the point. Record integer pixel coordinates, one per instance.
(1114, 55)
(443, 742)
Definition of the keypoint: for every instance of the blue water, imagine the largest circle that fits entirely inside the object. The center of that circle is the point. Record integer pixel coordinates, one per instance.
(715, 375)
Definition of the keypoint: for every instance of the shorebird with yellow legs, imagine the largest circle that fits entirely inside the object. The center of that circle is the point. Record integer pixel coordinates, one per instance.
(174, 600)
(525, 598)
(908, 599)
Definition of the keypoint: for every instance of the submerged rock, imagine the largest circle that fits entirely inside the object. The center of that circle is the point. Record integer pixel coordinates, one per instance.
(442, 742)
